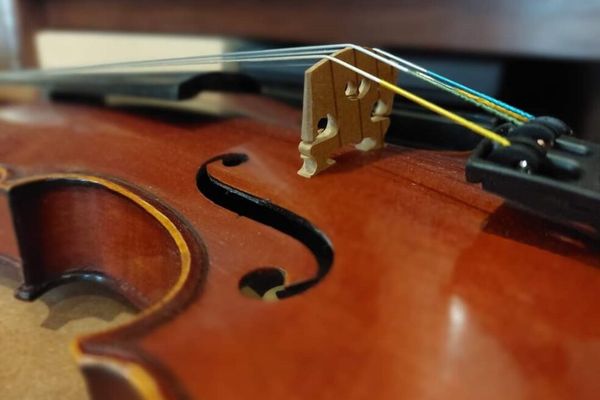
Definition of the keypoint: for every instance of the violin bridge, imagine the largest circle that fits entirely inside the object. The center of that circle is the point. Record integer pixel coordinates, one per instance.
(342, 107)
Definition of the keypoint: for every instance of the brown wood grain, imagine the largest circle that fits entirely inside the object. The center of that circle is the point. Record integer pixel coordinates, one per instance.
(561, 28)
(437, 289)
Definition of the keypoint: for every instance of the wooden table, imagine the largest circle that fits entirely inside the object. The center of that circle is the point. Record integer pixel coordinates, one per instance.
(558, 28)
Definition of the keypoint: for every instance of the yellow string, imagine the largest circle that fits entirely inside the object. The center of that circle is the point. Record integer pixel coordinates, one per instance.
(492, 105)
(486, 133)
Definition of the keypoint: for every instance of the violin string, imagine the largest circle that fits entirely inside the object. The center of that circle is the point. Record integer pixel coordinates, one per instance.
(298, 54)
(525, 116)
(493, 136)
(182, 61)
(508, 115)
(478, 129)
(489, 104)
(481, 100)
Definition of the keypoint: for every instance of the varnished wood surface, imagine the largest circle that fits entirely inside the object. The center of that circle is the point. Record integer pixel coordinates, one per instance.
(437, 289)
(560, 28)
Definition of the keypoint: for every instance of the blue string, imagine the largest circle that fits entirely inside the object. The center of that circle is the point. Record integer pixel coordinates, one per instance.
(484, 96)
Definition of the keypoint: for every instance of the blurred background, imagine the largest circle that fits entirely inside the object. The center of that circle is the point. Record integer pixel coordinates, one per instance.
(540, 55)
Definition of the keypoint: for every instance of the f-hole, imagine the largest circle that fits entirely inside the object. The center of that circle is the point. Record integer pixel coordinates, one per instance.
(267, 283)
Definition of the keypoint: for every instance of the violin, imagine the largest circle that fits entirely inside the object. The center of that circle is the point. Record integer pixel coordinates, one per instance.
(265, 269)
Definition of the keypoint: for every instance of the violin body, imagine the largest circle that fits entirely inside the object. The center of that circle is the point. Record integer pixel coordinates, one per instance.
(401, 280)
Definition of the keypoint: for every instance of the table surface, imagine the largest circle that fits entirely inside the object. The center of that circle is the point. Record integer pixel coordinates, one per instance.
(34, 350)
(557, 28)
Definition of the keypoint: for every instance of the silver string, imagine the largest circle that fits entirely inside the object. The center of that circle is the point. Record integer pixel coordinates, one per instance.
(284, 54)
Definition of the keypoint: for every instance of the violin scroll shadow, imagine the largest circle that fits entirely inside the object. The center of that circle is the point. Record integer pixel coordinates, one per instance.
(266, 283)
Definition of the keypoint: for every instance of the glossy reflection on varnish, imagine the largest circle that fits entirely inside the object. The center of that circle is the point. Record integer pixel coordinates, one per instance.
(436, 290)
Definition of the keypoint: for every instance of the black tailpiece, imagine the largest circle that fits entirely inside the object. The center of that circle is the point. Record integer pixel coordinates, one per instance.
(545, 171)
